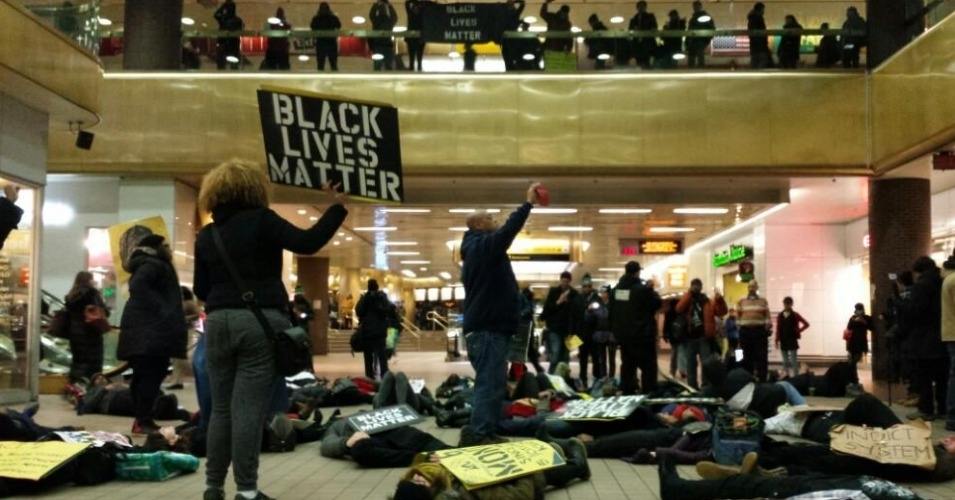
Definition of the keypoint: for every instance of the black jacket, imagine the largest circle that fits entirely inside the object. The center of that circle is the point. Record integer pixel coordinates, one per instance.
(491, 302)
(255, 239)
(375, 314)
(562, 318)
(758, 43)
(924, 313)
(10, 216)
(153, 323)
(326, 22)
(696, 24)
(86, 344)
(633, 308)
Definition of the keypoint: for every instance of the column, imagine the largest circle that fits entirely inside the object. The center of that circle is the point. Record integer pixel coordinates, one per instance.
(900, 231)
(888, 31)
(313, 278)
(152, 35)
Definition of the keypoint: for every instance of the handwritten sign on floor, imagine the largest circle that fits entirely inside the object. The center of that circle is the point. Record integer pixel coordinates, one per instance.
(34, 461)
(899, 444)
(480, 466)
(612, 408)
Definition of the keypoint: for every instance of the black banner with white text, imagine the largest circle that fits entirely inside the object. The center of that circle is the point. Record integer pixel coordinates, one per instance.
(465, 22)
(311, 140)
(384, 419)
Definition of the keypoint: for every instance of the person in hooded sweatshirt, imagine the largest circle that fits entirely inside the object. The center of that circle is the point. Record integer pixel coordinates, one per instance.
(491, 313)
(153, 327)
(633, 308)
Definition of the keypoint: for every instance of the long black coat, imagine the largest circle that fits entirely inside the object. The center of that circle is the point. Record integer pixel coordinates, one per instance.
(375, 314)
(153, 323)
(923, 311)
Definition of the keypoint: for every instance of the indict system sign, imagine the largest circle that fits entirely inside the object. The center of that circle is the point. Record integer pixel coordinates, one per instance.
(311, 140)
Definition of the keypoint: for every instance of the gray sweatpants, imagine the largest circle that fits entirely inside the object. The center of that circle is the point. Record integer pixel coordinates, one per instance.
(241, 363)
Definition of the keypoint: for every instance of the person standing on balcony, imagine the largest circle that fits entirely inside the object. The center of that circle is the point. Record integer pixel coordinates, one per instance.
(828, 52)
(672, 45)
(597, 48)
(415, 44)
(696, 45)
(326, 48)
(228, 48)
(789, 44)
(383, 17)
(491, 313)
(643, 48)
(276, 50)
(510, 47)
(854, 33)
(557, 21)
(759, 54)
(755, 326)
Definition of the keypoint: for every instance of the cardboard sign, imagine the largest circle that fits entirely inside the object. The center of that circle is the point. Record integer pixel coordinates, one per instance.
(688, 400)
(384, 419)
(572, 342)
(312, 139)
(125, 237)
(612, 408)
(465, 22)
(34, 461)
(899, 444)
(98, 438)
(480, 466)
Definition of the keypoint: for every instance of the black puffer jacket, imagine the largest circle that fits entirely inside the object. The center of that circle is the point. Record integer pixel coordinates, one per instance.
(153, 323)
(375, 314)
(633, 308)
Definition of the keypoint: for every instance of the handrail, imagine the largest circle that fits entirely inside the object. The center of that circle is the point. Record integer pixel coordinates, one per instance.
(439, 320)
(411, 328)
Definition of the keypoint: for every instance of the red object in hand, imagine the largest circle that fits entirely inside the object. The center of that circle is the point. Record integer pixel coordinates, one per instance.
(543, 196)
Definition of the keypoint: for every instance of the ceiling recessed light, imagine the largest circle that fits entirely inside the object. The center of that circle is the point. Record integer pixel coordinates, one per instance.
(458, 228)
(188, 21)
(528, 57)
(273, 20)
(406, 210)
(611, 269)
(704, 19)
(313, 219)
(377, 57)
(445, 275)
(104, 21)
(537, 29)
(603, 57)
(349, 238)
(303, 57)
(302, 211)
(672, 229)
(575, 29)
(554, 211)
(616, 19)
(679, 56)
(399, 29)
(415, 262)
(370, 229)
(402, 254)
(341, 233)
(399, 243)
(232, 59)
(530, 19)
(358, 20)
(701, 211)
(454, 55)
(336, 243)
(408, 273)
(625, 211)
(570, 229)
(422, 269)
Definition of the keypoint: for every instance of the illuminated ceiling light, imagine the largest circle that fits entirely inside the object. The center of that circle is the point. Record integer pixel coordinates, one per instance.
(537, 29)
(341, 233)
(585, 245)
(701, 211)
(273, 20)
(422, 269)
(570, 229)
(528, 57)
(454, 55)
(313, 218)
(554, 211)
(358, 20)
(336, 243)
(408, 273)
(530, 19)
(415, 262)
(580, 39)
(399, 243)
(399, 29)
(452, 243)
(232, 59)
(460, 229)
(611, 269)
(679, 56)
(302, 211)
(575, 29)
(664, 229)
(403, 254)
(349, 238)
(406, 210)
(104, 21)
(303, 58)
(603, 57)
(377, 57)
(371, 229)
(702, 19)
(616, 19)
(473, 210)
(445, 275)
(188, 21)
(625, 211)
(57, 213)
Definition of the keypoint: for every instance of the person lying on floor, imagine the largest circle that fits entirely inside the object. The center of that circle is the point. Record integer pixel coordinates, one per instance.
(686, 437)
(19, 425)
(865, 410)
(392, 448)
(839, 379)
(429, 480)
(746, 486)
(115, 398)
(395, 389)
(740, 390)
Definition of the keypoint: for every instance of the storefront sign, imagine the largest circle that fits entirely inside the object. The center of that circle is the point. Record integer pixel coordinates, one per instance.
(735, 253)
(481, 466)
(612, 408)
(899, 444)
(384, 419)
(311, 140)
(464, 22)
(629, 247)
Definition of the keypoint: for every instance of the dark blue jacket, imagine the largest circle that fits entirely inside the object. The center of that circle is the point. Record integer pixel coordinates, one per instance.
(491, 302)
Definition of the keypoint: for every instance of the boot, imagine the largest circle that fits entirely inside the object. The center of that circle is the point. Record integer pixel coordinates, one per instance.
(575, 467)
(456, 418)
(713, 470)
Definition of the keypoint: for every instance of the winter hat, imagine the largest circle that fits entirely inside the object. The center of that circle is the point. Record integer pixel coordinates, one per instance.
(152, 241)
(408, 490)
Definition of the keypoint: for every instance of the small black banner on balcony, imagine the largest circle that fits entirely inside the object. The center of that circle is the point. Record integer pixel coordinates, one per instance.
(464, 22)
(384, 419)
(312, 139)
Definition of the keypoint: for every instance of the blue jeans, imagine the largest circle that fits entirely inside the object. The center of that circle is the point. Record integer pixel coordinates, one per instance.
(203, 393)
(691, 351)
(792, 395)
(487, 352)
(950, 402)
(790, 363)
(556, 351)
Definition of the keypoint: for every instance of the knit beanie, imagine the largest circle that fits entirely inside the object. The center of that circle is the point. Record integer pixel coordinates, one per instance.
(408, 490)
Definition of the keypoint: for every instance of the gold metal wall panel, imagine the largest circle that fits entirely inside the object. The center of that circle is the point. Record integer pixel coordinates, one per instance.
(614, 124)
(39, 55)
(913, 99)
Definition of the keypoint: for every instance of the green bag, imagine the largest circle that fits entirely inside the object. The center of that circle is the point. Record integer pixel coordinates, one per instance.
(394, 335)
(158, 466)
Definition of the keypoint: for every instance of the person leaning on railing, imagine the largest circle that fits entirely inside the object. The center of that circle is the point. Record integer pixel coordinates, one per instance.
(326, 48)
(696, 45)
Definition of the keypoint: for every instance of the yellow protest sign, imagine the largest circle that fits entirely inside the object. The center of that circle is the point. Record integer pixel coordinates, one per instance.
(899, 444)
(573, 342)
(124, 237)
(480, 466)
(34, 461)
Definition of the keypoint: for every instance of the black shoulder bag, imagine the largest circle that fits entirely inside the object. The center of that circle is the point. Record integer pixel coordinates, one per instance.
(293, 347)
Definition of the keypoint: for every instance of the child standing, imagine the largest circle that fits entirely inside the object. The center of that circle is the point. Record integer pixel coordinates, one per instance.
(789, 328)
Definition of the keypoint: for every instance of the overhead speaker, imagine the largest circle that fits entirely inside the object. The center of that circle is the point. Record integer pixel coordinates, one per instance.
(84, 139)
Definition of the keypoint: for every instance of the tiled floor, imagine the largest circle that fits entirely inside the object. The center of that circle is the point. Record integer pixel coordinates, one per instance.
(304, 473)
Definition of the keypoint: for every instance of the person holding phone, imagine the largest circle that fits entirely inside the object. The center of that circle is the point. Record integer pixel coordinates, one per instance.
(561, 316)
